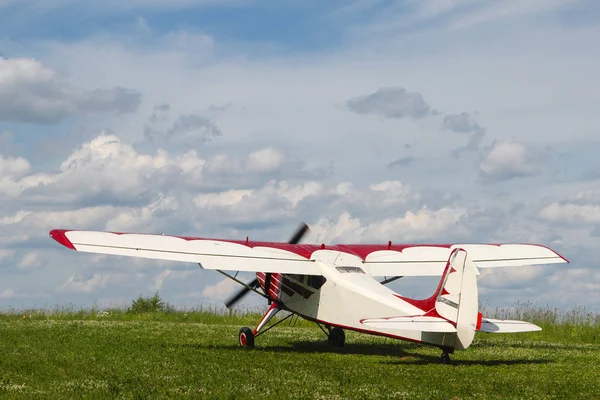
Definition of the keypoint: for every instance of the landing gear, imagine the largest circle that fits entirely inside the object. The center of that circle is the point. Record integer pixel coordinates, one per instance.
(337, 337)
(445, 358)
(246, 337)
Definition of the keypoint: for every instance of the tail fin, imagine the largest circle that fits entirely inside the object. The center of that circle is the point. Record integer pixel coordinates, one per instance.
(458, 300)
(455, 301)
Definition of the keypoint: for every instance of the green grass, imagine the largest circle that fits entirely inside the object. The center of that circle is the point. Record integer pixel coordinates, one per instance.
(193, 354)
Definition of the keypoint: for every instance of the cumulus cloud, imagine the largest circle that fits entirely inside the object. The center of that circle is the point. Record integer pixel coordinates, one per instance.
(169, 274)
(81, 285)
(411, 227)
(582, 208)
(107, 170)
(280, 200)
(219, 291)
(391, 102)
(506, 159)
(514, 277)
(31, 92)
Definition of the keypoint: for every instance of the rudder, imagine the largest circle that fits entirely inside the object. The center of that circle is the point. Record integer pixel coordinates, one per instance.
(457, 300)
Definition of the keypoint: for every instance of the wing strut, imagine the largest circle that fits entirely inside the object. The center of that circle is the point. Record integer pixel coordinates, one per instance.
(388, 280)
(246, 287)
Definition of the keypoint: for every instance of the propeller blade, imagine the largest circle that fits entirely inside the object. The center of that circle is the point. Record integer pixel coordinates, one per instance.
(254, 284)
(299, 234)
(238, 296)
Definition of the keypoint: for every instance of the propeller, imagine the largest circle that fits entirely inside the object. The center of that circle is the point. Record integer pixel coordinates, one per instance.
(254, 284)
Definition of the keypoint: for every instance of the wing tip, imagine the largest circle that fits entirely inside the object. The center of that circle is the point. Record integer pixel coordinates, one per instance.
(60, 236)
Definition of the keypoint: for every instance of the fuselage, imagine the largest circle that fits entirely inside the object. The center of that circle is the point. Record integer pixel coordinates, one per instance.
(343, 296)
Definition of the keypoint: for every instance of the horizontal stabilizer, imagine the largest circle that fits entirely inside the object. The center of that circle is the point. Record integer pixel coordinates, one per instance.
(507, 326)
(417, 323)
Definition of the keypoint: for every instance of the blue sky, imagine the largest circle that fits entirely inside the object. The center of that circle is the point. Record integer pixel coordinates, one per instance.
(411, 121)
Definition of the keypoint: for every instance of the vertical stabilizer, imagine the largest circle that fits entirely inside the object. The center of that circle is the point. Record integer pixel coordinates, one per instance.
(457, 299)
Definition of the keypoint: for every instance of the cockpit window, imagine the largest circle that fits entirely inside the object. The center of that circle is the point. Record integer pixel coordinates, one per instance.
(350, 270)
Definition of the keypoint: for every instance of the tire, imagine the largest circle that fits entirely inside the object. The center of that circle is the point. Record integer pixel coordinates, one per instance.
(446, 358)
(246, 337)
(337, 337)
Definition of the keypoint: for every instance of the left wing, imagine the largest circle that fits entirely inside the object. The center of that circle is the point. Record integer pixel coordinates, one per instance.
(209, 253)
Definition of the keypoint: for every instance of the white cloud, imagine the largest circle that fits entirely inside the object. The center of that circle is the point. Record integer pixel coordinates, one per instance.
(506, 159)
(109, 170)
(221, 290)
(265, 160)
(31, 92)
(169, 274)
(572, 213)
(411, 227)
(30, 261)
(81, 285)
(511, 276)
(15, 219)
(227, 198)
(7, 294)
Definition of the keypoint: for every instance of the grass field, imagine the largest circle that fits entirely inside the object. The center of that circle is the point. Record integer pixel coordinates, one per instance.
(115, 354)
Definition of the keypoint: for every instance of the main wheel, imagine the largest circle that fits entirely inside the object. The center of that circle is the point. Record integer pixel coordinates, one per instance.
(337, 337)
(246, 337)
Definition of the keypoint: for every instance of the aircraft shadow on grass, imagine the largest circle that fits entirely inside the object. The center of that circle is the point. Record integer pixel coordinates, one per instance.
(397, 355)
(536, 346)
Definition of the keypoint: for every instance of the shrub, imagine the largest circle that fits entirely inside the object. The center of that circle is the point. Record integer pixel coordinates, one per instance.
(148, 304)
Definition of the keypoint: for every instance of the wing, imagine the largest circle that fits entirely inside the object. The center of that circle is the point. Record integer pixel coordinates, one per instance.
(209, 253)
(428, 260)
(379, 260)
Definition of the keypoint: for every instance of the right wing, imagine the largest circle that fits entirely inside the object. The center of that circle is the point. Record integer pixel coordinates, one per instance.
(209, 253)
(430, 260)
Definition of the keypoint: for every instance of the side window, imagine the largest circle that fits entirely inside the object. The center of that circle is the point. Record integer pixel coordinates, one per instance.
(316, 281)
(298, 278)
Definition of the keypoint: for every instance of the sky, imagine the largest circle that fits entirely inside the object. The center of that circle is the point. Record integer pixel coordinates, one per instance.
(430, 121)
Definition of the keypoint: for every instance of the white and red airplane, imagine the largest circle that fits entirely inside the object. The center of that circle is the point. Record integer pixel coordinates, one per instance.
(336, 286)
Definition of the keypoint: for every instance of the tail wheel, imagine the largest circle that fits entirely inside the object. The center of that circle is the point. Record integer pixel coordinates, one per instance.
(246, 337)
(445, 358)
(337, 337)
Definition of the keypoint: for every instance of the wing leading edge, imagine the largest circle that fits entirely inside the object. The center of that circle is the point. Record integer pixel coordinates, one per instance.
(430, 260)
(210, 254)
(378, 260)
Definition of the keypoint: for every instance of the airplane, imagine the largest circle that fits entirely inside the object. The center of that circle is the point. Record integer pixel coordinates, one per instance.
(336, 286)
